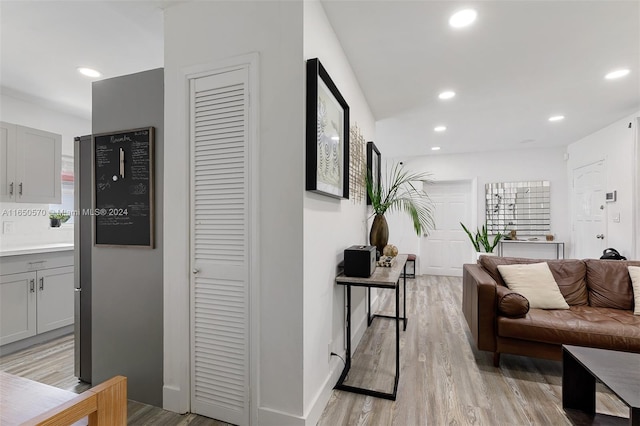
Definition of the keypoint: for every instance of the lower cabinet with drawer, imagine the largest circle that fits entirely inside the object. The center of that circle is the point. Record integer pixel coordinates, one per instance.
(37, 300)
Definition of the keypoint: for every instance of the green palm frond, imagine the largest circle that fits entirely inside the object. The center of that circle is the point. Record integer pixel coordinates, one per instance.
(400, 193)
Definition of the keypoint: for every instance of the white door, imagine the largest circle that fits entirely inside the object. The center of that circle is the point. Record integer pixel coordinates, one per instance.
(447, 247)
(589, 211)
(220, 255)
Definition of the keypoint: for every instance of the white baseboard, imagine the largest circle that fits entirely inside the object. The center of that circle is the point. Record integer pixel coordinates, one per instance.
(269, 417)
(313, 415)
(173, 400)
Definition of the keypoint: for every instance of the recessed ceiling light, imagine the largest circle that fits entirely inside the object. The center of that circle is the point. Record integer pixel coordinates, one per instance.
(556, 118)
(617, 74)
(89, 72)
(440, 128)
(435, 148)
(447, 94)
(463, 18)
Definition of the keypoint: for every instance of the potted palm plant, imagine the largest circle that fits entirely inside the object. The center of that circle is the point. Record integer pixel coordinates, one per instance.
(481, 240)
(399, 193)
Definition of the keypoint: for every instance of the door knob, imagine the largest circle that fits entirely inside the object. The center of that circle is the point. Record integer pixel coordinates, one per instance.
(195, 270)
(600, 236)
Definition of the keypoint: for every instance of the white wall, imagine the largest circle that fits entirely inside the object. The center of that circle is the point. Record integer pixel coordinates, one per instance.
(199, 33)
(487, 167)
(31, 230)
(330, 226)
(25, 113)
(615, 144)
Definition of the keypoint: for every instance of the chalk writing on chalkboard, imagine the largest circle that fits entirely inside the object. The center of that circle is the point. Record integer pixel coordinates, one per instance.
(124, 188)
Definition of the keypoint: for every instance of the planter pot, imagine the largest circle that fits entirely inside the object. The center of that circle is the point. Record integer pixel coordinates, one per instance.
(379, 235)
(55, 223)
(481, 253)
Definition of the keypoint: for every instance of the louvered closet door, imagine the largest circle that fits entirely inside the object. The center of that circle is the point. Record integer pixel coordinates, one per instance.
(219, 247)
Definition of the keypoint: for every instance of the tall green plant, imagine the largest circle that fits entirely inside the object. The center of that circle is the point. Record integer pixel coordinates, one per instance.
(482, 239)
(399, 193)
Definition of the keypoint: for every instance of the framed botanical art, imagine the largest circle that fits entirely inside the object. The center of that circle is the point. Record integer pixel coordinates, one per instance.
(327, 134)
(374, 164)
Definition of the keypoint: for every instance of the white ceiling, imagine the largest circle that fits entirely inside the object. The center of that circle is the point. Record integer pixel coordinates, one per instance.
(520, 62)
(43, 42)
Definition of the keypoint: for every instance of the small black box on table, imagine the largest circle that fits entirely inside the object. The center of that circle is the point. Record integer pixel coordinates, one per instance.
(359, 261)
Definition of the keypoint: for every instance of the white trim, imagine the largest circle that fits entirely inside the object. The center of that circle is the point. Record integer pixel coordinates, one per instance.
(176, 368)
(635, 225)
(270, 417)
(177, 381)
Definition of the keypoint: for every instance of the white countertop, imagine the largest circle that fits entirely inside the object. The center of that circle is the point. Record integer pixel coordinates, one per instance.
(35, 249)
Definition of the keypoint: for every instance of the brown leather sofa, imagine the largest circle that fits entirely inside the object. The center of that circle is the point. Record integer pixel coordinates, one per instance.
(600, 314)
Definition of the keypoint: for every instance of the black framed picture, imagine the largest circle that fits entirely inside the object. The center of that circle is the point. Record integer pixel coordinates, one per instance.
(374, 165)
(327, 134)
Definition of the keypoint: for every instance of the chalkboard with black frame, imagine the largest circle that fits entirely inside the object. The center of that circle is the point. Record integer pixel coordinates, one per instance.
(123, 188)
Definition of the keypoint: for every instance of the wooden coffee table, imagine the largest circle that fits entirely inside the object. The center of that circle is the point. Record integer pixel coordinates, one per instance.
(619, 371)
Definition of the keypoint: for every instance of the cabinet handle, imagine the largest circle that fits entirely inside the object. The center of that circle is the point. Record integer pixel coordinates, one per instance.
(41, 283)
(20, 192)
(11, 188)
(32, 285)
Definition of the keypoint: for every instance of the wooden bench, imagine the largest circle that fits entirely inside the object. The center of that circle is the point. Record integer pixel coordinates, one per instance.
(30, 403)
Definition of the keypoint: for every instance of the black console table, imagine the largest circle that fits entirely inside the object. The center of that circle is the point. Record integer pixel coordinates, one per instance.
(382, 278)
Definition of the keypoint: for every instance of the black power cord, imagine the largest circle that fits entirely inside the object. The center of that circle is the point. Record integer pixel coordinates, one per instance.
(335, 354)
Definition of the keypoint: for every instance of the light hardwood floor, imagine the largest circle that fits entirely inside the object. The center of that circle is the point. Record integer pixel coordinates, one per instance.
(52, 363)
(443, 379)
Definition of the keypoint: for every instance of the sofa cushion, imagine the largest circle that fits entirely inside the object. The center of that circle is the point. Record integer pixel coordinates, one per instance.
(535, 282)
(570, 275)
(634, 273)
(580, 325)
(609, 284)
(510, 303)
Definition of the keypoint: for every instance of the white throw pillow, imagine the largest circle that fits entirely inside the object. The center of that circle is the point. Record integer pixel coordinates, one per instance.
(634, 273)
(535, 282)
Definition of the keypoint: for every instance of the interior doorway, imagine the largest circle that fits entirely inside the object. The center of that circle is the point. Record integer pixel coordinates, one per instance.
(447, 248)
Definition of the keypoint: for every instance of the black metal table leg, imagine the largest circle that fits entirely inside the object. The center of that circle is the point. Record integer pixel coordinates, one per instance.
(395, 385)
(404, 295)
(369, 318)
(340, 385)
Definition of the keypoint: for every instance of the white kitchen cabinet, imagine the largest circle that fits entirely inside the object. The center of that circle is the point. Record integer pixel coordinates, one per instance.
(7, 161)
(54, 307)
(31, 162)
(17, 307)
(38, 297)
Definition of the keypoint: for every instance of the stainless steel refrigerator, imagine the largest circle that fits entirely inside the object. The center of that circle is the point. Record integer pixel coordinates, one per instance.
(83, 197)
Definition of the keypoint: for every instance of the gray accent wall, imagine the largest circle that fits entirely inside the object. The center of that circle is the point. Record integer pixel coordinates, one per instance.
(127, 299)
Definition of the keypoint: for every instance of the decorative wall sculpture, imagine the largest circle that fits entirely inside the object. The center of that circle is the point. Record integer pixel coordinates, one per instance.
(357, 166)
(520, 206)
